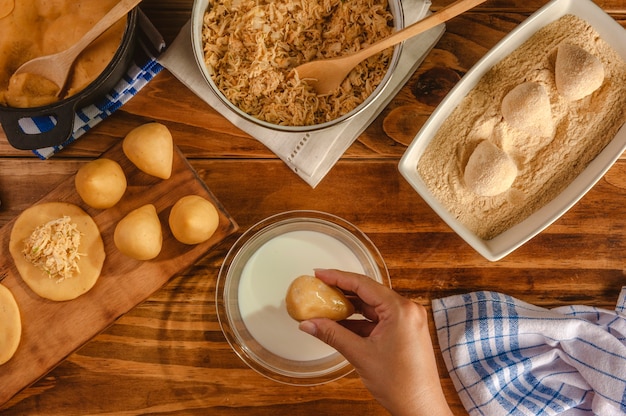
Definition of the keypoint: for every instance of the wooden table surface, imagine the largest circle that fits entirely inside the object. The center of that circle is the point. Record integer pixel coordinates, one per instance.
(168, 355)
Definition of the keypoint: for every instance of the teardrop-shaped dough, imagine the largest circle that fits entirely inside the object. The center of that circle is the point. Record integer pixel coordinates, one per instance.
(308, 297)
(151, 148)
(577, 72)
(489, 170)
(527, 108)
(138, 234)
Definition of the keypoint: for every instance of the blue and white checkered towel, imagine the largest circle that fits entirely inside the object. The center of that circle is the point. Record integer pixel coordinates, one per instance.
(508, 357)
(143, 68)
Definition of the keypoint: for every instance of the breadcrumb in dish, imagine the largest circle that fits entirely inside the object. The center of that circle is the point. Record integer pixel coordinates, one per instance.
(251, 48)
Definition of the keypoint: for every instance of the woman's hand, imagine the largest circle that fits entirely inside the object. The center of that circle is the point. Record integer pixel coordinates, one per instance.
(391, 351)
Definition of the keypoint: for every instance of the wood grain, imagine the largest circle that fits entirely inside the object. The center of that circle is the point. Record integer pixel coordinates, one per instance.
(53, 330)
(168, 354)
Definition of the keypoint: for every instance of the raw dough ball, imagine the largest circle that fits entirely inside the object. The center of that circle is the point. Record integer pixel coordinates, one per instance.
(10, 325)
(308, 297)
(138, 234)
(91, 249)
(100, 183)
(527, 108)
(577, 72)
(193, 219)
(150, 147)
(489, 170)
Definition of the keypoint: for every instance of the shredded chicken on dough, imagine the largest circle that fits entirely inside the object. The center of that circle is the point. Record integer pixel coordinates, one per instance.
(53, 247)
(251, 47)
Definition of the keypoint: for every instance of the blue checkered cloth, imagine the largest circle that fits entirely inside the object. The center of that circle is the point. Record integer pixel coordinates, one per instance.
(141, 71)
(508, 357)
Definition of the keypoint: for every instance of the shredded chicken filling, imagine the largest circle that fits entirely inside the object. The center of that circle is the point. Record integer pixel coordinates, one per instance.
(53, 247)
(251, 47)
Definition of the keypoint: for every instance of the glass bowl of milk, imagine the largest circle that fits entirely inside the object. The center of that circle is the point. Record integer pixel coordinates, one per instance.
(253, 282)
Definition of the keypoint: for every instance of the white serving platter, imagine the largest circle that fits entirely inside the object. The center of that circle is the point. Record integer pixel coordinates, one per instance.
(511, 239)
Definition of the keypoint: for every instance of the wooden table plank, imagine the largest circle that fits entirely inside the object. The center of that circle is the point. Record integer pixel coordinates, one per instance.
(168, 354)
(169, 351)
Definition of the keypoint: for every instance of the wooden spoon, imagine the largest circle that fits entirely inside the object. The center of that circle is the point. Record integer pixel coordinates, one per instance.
(326, 75)
(56, 67)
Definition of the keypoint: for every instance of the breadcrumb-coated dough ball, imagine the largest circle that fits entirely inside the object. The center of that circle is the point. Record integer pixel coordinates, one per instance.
(527, 108)
(577, 72)
(489, 170)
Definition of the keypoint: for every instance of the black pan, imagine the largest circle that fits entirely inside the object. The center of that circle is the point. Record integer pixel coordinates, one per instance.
(64, 111)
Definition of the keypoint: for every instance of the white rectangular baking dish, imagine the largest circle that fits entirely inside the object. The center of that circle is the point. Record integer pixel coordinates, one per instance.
(511, 239)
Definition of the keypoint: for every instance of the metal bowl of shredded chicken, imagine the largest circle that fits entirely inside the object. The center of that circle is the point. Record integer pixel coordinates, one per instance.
(247, 49)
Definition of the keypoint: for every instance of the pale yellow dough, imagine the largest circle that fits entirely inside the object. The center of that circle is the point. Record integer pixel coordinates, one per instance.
(10, 325)
(308, 297)
(35, 28)
(193, 219)
(138, 235)
(91, 246)
(151, 148)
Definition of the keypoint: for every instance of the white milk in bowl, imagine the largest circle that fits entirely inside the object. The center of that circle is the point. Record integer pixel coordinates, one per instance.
(264, 281)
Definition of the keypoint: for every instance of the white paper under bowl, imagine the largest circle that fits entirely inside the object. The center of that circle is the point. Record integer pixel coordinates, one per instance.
(511, 239)
(253, 282)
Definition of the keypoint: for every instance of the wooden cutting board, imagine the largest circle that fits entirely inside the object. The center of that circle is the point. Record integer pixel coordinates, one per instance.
(53, 330)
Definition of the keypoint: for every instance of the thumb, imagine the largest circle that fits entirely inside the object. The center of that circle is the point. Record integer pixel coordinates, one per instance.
(335, 335)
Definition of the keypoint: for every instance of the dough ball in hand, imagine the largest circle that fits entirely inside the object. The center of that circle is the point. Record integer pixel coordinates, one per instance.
(308, 297)
(577, 72)
(489, 170)
(527, 108)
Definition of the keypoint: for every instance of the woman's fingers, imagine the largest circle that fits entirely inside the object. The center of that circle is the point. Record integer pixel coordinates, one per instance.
(342, 339)
(363, 308)
(368, 290)
(360, 327)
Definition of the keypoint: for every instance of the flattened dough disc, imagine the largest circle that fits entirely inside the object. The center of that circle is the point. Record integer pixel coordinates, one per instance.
(91, 246)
